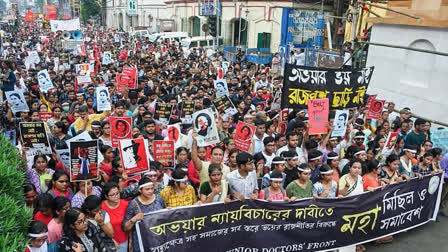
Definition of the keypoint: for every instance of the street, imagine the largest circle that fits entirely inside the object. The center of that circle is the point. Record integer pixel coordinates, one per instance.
(432, 236)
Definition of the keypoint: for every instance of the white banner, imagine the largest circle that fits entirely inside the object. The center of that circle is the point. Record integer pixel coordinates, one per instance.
(65, 25)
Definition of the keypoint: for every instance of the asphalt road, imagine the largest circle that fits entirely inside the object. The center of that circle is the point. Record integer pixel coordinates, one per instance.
(433, 236)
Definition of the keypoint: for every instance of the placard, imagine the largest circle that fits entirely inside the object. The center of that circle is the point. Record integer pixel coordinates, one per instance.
(44, 116)
(187, 112)
(224, 105)
(64, 156)
(318, 116)
(163, 151)
(173, 134)
(343, 88)
(340, 123)
(17, 101)
(123, 55)
(162, 113)
(83, 160)
(65, 25)
(205, 126)
(45, 83)
(35, 137)
(370, 100)
(376, 109)
(83, 69)
(243, 136)
(133, 155)
(120, 129)
(102, 99)
(127, 78)
(221, 87)
(107, 58)
(391, 140)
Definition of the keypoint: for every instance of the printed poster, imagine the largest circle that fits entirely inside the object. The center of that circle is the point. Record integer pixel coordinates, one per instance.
(83, 69)
(107, 58)
(376, 109)
(45, 83)
(205, 126)
(102, 99)
(187, 112)
(84, 160)
(127, 78)
(224, 105)
(173, 134)
(44, 116)
(391, 140)
(282, 126)
(162, 113)
(64, 155)
(221, 87)
(318, 116)
(133, 155)
(340, 123)
(163, 151)
(120, 129)
(370, 100)
(35, 137)
(123, 55)
(243, 136)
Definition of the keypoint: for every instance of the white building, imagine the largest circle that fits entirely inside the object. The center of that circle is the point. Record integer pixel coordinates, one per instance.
(260, 20)
(411, 78)
(149, 14)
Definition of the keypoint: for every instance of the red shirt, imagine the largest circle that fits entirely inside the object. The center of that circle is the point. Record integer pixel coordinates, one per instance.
(116, 218)
(193, 174)
(40, 217)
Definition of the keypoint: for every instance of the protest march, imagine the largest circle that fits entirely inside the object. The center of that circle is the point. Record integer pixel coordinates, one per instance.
(133, 145)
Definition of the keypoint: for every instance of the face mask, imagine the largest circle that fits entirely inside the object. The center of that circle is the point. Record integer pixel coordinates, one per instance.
(65, 108)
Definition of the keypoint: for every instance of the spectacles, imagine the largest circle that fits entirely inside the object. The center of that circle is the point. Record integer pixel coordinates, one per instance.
(80, 222)
(115, 195)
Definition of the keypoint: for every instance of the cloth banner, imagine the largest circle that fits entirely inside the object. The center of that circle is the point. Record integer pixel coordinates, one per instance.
(17, 101)
(318, 116)
(35, 137)
(163, 151)
(133, 155)
(205, 125)
(440, 139)
(120, 128)
(243, 136)
(304, 225)
(344, 88)
(103, 98)
(340, 123)
(83, 160)
(65, 25)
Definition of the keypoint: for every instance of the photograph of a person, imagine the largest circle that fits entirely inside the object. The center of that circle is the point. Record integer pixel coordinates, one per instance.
(202, 124)
(121, 129)
(244, 134)
(130, 155)
(340, 122)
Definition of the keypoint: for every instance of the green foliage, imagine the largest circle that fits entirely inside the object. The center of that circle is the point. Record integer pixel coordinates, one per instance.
(89, 9)
(15, 216)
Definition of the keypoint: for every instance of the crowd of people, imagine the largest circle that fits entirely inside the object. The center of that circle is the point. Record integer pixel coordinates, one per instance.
(100, 214)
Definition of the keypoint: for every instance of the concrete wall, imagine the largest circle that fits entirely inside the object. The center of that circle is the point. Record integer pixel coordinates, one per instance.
(409, 78)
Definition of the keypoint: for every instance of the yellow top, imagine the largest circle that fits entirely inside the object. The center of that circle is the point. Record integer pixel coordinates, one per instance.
(171, 198)
(93, 117)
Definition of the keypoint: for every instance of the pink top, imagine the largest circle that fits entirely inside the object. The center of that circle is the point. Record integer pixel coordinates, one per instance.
(54, 231)
(272, 196)
(106, 168)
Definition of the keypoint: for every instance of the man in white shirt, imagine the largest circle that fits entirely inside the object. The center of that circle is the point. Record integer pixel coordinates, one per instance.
(243, 181)
(300, 58)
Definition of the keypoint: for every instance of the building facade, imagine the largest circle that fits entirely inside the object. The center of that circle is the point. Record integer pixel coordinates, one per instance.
(150, 13)
(245, 23)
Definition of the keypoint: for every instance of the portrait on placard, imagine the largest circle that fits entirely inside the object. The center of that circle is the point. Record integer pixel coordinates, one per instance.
(17, 101)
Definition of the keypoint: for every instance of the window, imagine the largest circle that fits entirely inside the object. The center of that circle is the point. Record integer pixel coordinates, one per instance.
(203, 43)
(194, 44)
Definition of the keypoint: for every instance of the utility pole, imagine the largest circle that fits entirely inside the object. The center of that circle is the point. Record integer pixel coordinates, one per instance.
(217, 24)
(355, 20)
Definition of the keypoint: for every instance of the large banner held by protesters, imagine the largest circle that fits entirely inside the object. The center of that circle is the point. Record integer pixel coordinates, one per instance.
(305, 225)
(344, 88)
(35, 137)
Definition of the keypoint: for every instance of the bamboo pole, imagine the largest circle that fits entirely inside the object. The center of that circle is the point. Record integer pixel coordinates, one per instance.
(389, 9)
(405, 47)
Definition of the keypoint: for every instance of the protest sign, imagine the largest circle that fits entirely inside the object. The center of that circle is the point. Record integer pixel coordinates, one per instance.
(162, 113)
(120, 129)
(284, 115)
(243, 135)
(107, 58)
(123, 55)
(340, 123)
(439, 138)
(65, 25)
(45, 83)
(220, 72)
(370, 100)
(343, 88)
(127, 78)
(102, 98)
(163, 151)
(225, 66)
(391, 140)
(64, 155)
(376, 109)
(133, 155)
(318, 116)
(205, 126)
(187, 112)
(83, 80)
(302, 225)
(83, 69)
(282, 126)
(17, 101)
(35, 137)
(44, 116)
(83, 160)
(224, 105)
(174, 134)
(221, 88)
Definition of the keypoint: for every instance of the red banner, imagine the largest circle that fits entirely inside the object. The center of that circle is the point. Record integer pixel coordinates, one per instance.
(318, 116)
(163, 151)
(127, 78)
(376, 108)
(243, 136)
(44, 116)
(120, 129)
(133, 155)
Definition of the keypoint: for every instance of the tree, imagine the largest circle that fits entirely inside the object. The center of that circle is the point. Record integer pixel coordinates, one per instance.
(89, 9)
